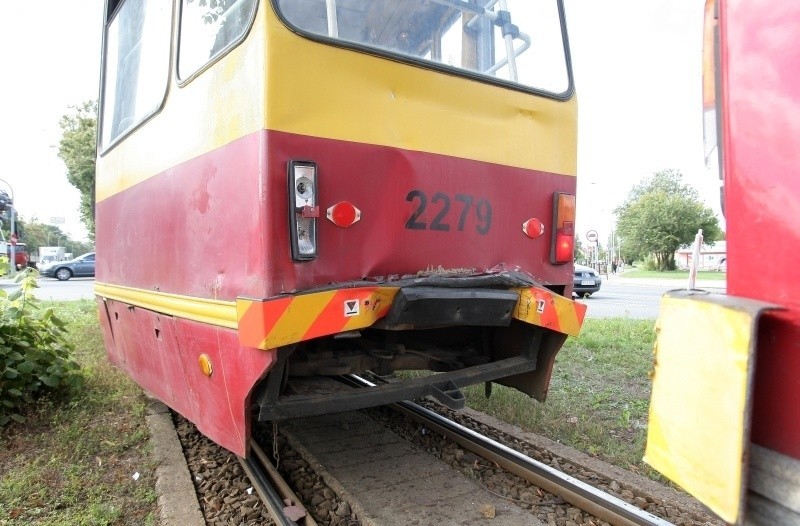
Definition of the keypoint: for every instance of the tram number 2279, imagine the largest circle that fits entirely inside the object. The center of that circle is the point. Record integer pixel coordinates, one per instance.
(441, 203)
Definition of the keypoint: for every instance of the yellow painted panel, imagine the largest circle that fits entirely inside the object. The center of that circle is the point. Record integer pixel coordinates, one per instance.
(213, 312)
(528, 308)
(325, 91)
(570, 320)
(547, 309)
(699, 408)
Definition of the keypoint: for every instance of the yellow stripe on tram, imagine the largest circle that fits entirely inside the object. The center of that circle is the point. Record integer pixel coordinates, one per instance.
(213, 312)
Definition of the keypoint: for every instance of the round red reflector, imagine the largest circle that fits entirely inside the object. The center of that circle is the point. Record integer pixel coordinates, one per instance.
(343, 214)
(533, 228)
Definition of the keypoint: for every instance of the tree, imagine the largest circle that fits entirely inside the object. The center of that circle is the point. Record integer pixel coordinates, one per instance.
(580, 251)
(38, 234)
(660, 215)
(78, 150)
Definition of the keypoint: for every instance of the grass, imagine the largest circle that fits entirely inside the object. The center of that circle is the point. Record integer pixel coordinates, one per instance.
(72, 462)
(674, 274)
(599, 394)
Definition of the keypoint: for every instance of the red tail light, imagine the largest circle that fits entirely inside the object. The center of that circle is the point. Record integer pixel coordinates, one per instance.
(563, 244)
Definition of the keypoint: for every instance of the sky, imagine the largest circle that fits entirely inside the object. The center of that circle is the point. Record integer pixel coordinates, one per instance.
(638, 75)
(49, 67)
(637, 67)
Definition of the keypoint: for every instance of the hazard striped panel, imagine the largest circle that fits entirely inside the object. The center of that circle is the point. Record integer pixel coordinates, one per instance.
(271, 323)
(542, 307)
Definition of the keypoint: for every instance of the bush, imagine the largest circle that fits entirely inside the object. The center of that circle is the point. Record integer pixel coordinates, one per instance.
(35, 357)
(650, 263)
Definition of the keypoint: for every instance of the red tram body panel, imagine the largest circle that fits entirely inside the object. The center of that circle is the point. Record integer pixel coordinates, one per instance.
(760, 87)
(742, 457)
(289, 189)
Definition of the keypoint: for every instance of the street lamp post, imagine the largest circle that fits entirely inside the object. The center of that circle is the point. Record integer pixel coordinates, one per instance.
(12, 259)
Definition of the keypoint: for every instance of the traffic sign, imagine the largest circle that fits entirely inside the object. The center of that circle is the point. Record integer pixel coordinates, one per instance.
(591, 236)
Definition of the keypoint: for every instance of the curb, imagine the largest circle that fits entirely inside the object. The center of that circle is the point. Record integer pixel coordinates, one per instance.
(177, 499)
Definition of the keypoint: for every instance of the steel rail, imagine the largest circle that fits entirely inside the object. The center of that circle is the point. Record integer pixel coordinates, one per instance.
(578, 493)
(280, 484)
(269, 495)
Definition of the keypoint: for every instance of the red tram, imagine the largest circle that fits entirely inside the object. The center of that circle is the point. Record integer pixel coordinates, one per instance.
(293, 188)
(725, 410)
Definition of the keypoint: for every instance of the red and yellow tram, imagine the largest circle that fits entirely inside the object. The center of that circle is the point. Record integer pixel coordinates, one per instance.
(293, 188)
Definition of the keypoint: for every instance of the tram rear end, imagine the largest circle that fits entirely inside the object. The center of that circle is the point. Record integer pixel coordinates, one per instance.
(725, 409)
(293, 189)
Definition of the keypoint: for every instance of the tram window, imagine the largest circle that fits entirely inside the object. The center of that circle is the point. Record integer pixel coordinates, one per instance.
(461, 34)
(136, 63)
(208, 29)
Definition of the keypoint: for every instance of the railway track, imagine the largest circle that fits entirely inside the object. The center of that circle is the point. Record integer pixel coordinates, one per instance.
(596, 506)
(588, 498)
(282, 503)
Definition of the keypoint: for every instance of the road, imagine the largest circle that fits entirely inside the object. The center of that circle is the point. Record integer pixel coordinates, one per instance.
(635, 298)
(52, 289)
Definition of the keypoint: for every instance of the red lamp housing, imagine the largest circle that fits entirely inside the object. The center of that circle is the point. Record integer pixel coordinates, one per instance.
(343, 214)
(562, 248)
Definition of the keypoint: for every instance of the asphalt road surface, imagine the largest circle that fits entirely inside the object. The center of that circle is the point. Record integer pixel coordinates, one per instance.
(635, 298)
(52, 289)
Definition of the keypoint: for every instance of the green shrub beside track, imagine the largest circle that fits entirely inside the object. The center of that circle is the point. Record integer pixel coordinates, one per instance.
(35, 356)
(74, 458)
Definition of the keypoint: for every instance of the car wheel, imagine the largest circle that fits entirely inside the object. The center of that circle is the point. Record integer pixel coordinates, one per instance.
(63, 274)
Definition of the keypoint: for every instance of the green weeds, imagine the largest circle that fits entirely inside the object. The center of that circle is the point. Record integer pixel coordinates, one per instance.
(599, 393)
(35, 354)
(73, 460)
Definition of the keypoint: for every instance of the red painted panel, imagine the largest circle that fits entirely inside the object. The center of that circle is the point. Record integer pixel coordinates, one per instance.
(195, 229)
(761, 144)
(161, 354)
(388, 185)
(216, 227)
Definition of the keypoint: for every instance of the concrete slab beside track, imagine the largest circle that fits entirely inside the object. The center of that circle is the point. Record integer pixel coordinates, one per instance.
(389, 481)
(177, 500)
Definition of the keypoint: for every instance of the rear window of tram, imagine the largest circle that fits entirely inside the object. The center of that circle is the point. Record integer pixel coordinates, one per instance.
(136, 65)
(448, 34)
(206, 31)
